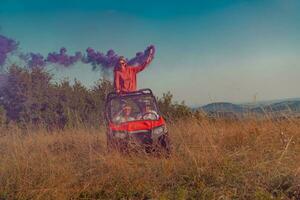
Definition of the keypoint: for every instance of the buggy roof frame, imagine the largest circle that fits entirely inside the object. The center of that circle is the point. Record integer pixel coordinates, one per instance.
(114, 95)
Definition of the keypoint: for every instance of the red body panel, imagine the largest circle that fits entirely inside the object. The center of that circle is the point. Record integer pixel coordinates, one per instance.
(137, 125)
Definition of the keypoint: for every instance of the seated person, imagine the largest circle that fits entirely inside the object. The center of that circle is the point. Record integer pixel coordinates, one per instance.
(148, 113)
(124, 115)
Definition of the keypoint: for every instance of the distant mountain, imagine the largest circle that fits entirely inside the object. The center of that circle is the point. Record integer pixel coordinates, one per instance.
(268, 102)
(225, 108)
(284, 106)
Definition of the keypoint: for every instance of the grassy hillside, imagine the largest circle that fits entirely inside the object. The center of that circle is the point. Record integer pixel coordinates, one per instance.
(211, 160)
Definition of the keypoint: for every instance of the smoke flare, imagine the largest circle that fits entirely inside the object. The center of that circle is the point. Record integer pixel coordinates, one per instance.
(62, 58)
(96, 58)
(141, 57)
(7, 46)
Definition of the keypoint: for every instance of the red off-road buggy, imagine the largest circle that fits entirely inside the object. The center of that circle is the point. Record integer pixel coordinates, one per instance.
(134, 122)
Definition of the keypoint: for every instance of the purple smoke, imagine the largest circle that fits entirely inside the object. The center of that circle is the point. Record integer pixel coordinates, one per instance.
(110, 59)
(93, 57)
(141, 57)
(3, 80)
(7, 46)
(63, 59)
(33, 60)
(96, 58)
(37, 60)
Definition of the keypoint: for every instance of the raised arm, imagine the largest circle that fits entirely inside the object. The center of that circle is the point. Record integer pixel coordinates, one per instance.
(145, 64)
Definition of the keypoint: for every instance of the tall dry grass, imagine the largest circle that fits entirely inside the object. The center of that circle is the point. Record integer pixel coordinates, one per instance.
(246, 159)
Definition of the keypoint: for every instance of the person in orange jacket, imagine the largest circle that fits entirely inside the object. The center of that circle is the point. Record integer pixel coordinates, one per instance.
(125, 76)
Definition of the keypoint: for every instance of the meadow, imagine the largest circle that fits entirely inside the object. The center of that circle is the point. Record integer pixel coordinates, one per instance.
(211, 159)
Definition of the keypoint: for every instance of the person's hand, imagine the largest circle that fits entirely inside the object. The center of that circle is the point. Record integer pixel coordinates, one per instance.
(118, 91)
(150, 57)
(151, 52)
(148, 60)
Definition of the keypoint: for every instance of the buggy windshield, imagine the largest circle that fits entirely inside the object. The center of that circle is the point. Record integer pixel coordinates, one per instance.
(132, 108)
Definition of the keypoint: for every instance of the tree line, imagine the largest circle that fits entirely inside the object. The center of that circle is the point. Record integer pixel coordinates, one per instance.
(31, 97)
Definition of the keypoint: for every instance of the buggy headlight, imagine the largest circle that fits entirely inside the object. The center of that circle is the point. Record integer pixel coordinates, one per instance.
(120, 135)
(158, 130)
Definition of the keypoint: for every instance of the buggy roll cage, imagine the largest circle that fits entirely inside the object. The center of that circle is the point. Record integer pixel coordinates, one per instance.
(114, 95)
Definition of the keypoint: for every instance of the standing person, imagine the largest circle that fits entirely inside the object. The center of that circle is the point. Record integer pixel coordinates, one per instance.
(125, 76)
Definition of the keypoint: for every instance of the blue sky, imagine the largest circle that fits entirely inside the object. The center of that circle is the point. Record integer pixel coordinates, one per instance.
(207, 51)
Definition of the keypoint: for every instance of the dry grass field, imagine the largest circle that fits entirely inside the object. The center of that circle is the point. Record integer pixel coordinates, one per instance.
(211, 159)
